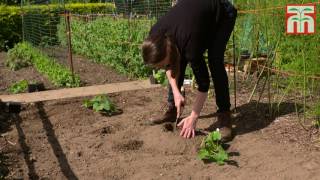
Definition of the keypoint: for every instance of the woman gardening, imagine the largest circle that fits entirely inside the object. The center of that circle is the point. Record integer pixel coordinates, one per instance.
(181, 37)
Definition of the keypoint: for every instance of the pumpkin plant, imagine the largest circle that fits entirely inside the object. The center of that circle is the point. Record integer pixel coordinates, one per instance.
(212, 150)
(101, 104)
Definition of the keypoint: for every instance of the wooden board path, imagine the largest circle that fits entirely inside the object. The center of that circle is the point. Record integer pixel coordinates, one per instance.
(77, 92)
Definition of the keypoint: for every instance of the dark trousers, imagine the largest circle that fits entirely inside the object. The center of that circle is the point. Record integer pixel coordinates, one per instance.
(216, 51)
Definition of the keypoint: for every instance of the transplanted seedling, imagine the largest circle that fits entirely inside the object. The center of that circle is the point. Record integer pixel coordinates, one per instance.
(101, 104)
(212, 150)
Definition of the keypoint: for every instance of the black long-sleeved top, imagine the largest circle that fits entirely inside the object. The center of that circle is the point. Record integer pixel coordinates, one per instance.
(190, 24)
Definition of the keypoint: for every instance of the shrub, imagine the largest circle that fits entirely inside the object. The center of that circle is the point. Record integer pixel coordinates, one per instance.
(11, 29)
(11, 22)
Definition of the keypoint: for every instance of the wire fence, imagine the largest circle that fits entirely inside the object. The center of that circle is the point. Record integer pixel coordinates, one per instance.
(40, 21)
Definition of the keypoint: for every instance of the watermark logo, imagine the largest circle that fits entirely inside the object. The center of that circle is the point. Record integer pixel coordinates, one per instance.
(301, 19)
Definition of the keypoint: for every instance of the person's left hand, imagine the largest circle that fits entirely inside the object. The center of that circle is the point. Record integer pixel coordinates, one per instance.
(188, 125)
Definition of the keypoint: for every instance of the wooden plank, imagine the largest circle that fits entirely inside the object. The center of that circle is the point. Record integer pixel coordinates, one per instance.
(77, 92)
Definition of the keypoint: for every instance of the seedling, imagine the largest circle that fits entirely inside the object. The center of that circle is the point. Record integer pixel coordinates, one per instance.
(18, 87)
(101, 104)
(212, 150)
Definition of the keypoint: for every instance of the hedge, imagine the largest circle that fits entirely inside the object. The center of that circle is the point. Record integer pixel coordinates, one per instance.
(11, 23)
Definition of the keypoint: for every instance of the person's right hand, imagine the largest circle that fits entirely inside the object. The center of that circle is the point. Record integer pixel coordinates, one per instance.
(179, 102)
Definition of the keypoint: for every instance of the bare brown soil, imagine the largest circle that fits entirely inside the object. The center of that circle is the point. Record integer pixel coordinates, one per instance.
(64, 140)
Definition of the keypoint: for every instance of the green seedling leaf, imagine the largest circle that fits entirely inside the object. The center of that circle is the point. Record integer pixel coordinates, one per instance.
(97, 99)
(87, 103)
(107, 106)
(221, 157)
(212, 150)
(100, 104)
(215, 136)
(203, 154)
(96, 106)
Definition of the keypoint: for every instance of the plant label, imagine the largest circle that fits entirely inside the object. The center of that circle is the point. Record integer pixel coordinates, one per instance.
(301, 19)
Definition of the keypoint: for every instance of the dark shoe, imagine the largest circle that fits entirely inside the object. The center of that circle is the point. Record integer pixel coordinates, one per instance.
(225, 126)
(169, 115)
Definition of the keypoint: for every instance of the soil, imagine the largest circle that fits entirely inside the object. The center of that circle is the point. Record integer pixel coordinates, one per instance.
(63, 140)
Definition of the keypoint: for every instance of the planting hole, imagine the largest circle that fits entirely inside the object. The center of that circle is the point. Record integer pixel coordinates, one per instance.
(130, 145)
(168, 127)
(106, 130)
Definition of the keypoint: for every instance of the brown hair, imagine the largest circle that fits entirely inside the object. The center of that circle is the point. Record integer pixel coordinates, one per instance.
(157, 47)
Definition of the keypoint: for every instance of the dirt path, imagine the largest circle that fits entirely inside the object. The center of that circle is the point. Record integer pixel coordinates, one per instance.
(63, 140)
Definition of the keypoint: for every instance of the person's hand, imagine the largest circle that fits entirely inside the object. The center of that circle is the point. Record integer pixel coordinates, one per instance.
(179, 102)
(188, 125)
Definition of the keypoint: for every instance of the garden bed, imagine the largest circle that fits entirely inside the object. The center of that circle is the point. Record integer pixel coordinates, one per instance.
(90, 73)
(9, 77)
(64, 140)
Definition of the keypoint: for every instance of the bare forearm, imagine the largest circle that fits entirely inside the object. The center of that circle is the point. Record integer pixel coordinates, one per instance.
(198, 104)
(173, 82)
